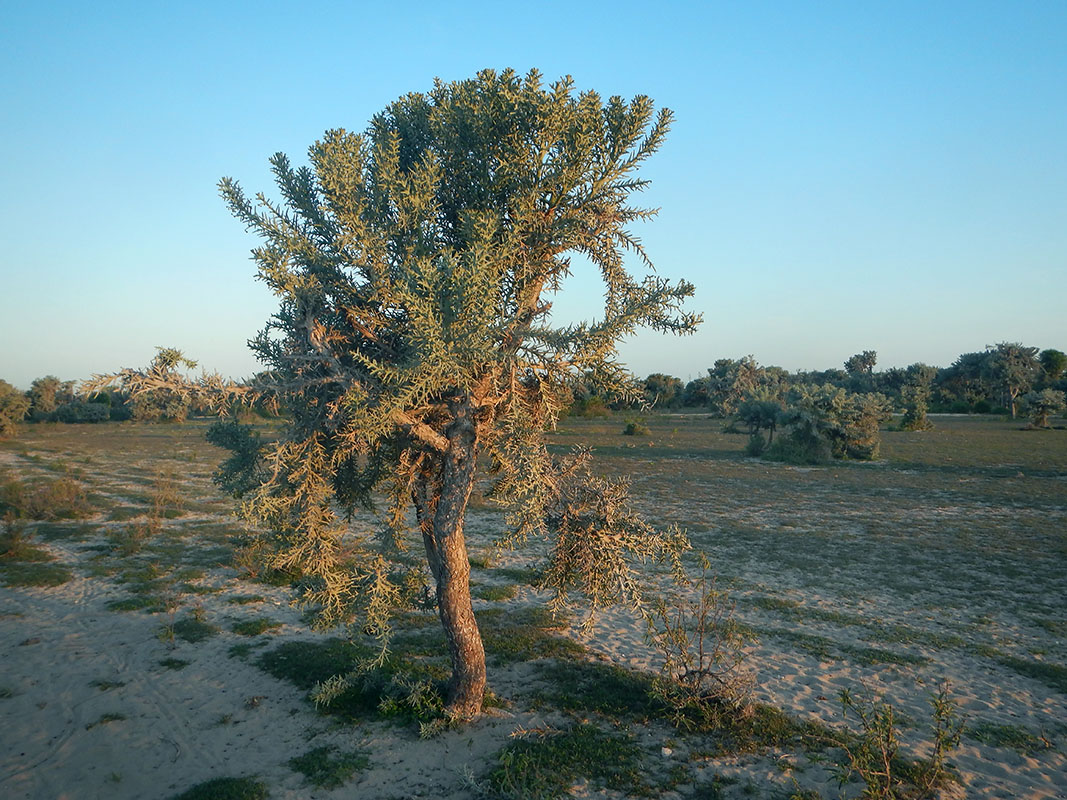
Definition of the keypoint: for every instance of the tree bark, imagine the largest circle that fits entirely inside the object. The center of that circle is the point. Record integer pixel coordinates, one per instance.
(441, 515)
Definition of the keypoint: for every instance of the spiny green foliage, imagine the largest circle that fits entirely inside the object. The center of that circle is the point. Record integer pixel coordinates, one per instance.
(415, 264)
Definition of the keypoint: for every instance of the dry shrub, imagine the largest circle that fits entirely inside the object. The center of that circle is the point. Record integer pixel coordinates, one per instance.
(703, 675)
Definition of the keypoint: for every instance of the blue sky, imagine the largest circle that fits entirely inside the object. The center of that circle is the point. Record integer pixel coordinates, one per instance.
(840, 177)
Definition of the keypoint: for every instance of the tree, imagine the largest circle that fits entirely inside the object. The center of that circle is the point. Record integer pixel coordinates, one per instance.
(663, 391)
(1042, 405)
(730, 382)
(415, 265)
(965, 382)
(1053, 363)
(46, 395)
(916, 397)
(862, 363)
(13, 408)
(1011, 369)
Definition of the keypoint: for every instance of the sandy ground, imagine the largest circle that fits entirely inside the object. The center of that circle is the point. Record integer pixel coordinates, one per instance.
(89, 711)
(69, 662)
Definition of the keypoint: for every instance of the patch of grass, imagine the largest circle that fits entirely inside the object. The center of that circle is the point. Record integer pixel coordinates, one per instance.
(1052, 675)
(245, 649)
(544, 765)
(138, 602)
(104, 686)
(254, 627)
(6, 692)
(174, 663)
(1012, 737)
(193, 630)
(15, 545)
(405, 689)
(496, 593)
(34, 574)
(49, 500)
(245, 599)
(125, 513)
(226, 789)
(528, 576)
(759, 727)
(607, 689)
(775, 603)
(516, 635)
(306, 663)
(327, 768)
(829, 649)
(105, 719)
(66, 532)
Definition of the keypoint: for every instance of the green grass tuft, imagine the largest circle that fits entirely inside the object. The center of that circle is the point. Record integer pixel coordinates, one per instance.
(1052, 675)
(1012, 737)
(496, 593)
(523, 634)
(254, 627)
(324, 769)
(193, 630)
(306, 663)
(545, 766)
(226, 789)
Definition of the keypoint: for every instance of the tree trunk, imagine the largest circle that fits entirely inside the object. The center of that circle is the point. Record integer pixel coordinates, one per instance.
(441, 515)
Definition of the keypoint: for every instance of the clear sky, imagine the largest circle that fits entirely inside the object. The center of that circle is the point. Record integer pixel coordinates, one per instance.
(843, 176)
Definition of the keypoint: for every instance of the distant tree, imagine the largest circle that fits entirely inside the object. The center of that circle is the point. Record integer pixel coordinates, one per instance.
(13, 408)
(759, 413)
(695, 394)
(1053, 364)
(1011, 369)
(152, 390)
(965, 384)
(915, 395)
(1042, 405)
(663, 391)
(45, 397)
(862, 363)
(414, 265)
(730, 382)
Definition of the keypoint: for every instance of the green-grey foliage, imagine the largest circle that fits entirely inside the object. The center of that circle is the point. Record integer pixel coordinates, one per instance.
(862, 363)
(1053, 363)
(81, 411)
(915, 395)
(13, 407)
(1011, 369)
(415, 264)
(1042, 405)
(46, 395)
(824, 422)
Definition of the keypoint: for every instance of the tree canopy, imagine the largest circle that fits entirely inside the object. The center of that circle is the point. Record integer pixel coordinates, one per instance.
(415, 265)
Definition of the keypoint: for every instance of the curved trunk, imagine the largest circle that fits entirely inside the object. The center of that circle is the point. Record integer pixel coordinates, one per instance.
(441, 508)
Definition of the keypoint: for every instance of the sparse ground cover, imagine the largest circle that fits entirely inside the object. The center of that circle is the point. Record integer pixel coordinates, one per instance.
(142, 660)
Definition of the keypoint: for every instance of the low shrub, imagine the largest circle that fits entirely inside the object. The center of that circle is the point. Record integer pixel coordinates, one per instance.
(80, 411)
